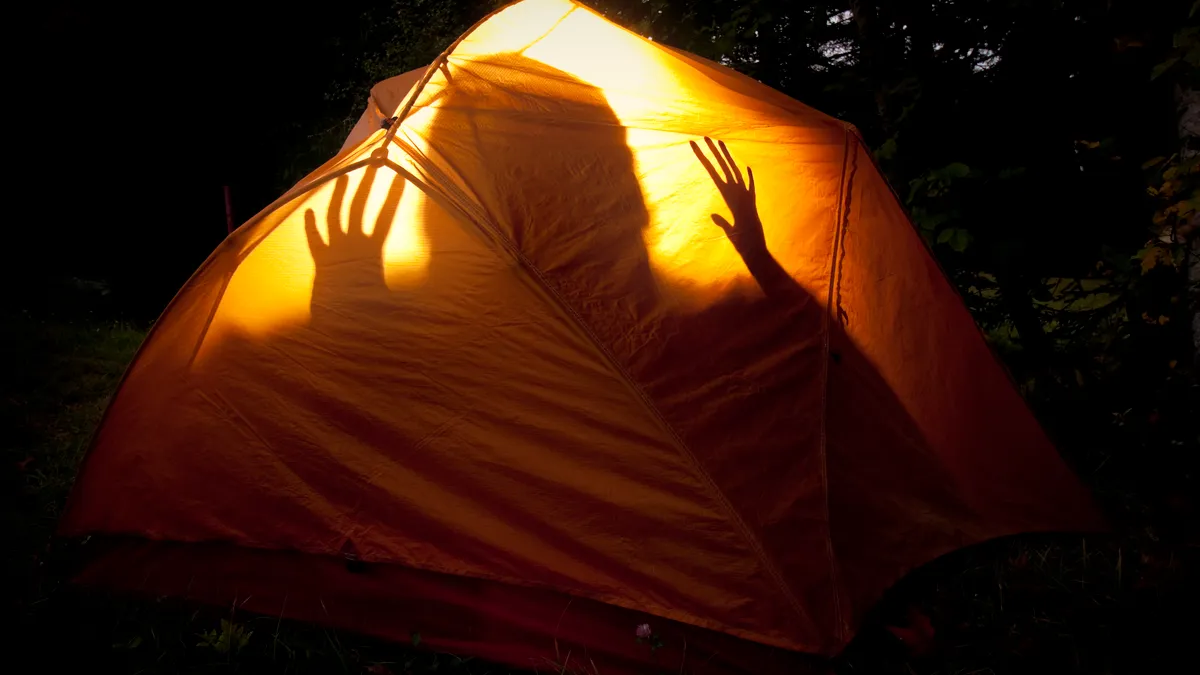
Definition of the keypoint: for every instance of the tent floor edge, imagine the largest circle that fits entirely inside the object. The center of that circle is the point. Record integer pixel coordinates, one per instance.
(525, 628)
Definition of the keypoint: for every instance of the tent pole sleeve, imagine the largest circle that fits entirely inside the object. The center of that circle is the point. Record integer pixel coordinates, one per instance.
(433, 67)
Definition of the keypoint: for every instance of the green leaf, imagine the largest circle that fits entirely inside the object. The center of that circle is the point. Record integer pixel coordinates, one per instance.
(133, 643)
(1163, 67)
(1185, 37)
(950, 172)
(1154, 162)
(1155, 256)
(887, 150)
(932, 221)
(915, 186)
(416, 638)
(957, 170)
(956, 238)
(962, 239)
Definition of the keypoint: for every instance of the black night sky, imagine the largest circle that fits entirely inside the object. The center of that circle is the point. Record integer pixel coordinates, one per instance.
(129, 123)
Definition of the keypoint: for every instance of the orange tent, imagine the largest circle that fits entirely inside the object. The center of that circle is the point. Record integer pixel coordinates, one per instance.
(496, 374)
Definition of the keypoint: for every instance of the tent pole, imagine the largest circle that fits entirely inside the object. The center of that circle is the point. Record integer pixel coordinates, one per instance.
(429, 72)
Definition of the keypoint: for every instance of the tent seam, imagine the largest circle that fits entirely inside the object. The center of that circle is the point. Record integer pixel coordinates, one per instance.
(739, 523)
(441, 60)
(175, 299)
(833, 313)
(480, 220)
(291, 195)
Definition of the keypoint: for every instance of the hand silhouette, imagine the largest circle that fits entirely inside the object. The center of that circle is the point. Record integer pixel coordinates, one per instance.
(351, 263)
(746, 232)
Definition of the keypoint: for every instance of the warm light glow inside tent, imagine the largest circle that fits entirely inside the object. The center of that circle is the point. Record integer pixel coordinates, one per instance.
(501, 354)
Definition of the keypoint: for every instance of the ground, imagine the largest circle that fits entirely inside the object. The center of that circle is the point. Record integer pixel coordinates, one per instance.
(1121, 602)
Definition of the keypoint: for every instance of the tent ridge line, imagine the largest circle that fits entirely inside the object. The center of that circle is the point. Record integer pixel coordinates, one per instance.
(479, 219)
(441, 60)
(288, 196)
(249, 248)
(680, 444)
(732, 513)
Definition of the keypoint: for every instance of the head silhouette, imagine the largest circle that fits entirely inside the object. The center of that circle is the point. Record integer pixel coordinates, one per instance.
(534, 144)
(542, 155)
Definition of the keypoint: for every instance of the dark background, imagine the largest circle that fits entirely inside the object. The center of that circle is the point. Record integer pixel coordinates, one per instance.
(131, 121)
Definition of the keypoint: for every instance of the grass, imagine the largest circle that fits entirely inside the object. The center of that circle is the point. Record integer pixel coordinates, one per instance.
(1042, 605)
(1120, 603)
(58, 377)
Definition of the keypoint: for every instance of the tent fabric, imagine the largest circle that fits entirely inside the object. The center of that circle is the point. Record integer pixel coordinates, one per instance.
(386, 98)
(502, 357)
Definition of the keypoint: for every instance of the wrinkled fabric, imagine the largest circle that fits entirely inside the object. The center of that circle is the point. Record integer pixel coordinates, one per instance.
(508, 348)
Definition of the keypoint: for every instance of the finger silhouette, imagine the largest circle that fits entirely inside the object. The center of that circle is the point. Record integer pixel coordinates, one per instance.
(732, 164)
(333, 217)
(722, 223)
(387, 213)
(720, 160)
(359, 204)
(712, 172)
(315, 245)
